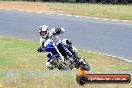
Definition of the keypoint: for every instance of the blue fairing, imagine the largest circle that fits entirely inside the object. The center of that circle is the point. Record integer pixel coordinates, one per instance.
(50, 48)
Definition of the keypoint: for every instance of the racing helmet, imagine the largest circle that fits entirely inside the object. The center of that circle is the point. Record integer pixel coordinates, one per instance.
(43, 30)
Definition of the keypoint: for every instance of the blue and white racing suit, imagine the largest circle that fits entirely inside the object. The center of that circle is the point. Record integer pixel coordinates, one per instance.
(55, 37)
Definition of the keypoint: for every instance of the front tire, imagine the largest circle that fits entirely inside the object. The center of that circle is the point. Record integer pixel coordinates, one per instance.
(50, 68)
(62, 67)
(85, 65)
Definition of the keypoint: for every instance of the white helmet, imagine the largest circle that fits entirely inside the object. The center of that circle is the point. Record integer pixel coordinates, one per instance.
(43, 30)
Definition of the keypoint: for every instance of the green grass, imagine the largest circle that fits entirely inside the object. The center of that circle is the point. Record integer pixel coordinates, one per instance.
(94, 10)
(15, 54)
(22, 67)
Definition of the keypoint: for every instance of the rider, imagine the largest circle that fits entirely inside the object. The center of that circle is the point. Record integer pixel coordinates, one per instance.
(45, 34)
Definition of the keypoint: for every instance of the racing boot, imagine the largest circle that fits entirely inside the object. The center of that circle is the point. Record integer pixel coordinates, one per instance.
(49, 65)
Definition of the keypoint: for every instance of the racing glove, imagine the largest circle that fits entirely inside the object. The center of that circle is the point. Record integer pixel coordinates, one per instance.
(58, 30)
(40, 49)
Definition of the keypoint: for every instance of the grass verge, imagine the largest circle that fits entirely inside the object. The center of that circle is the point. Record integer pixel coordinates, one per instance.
(122, 12)
(22, 67)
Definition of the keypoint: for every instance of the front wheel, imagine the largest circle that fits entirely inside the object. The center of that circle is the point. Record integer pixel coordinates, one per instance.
(62, 67)
(50, 68)
(85, 66)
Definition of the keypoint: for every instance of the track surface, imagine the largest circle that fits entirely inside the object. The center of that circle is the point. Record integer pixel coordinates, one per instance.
(113, 38)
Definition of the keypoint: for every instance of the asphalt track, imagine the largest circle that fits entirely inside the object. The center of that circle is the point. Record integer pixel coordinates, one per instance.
(109, 37)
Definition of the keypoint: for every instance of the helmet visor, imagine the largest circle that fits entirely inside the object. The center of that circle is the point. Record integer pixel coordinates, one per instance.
(43, 33)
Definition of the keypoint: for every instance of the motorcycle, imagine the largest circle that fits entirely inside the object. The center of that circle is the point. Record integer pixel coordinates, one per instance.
(72, 60)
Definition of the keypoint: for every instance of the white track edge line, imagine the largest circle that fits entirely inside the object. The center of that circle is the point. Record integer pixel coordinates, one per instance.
(108, 55)
(88, 17)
